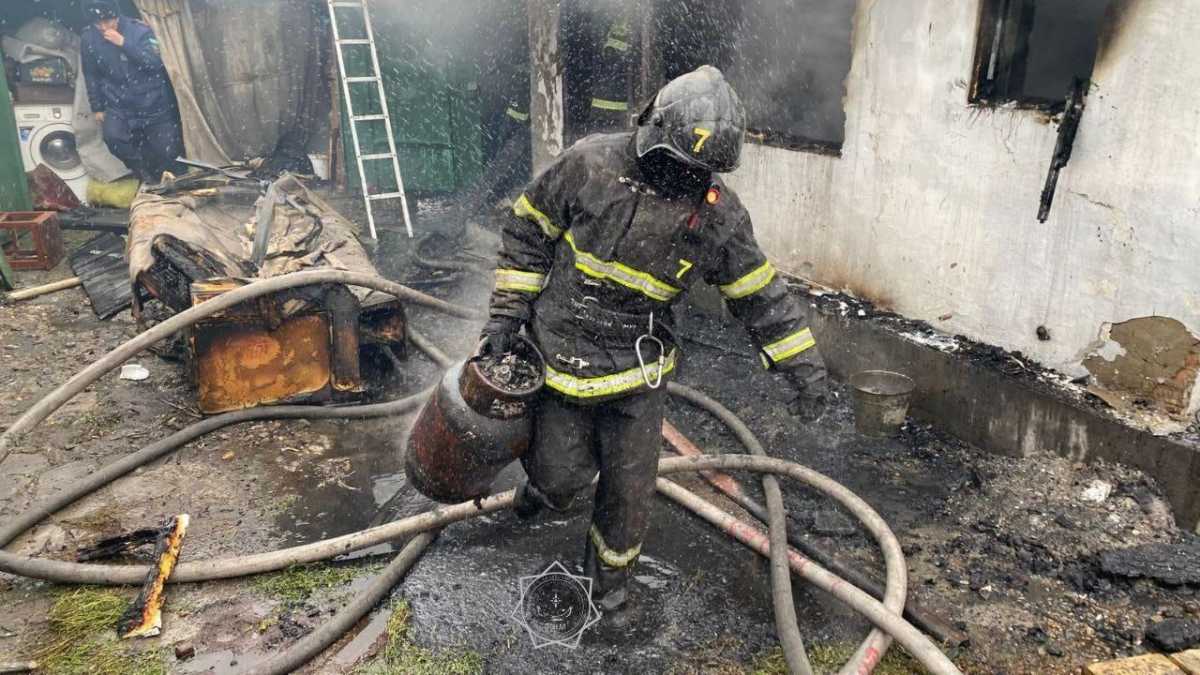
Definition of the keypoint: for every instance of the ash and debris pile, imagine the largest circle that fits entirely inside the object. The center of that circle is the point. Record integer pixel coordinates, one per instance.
(1013, 364)
(1060, 553)
(509, 371)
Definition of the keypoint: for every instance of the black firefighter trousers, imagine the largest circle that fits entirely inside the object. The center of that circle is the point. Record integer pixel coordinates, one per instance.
(621, 439)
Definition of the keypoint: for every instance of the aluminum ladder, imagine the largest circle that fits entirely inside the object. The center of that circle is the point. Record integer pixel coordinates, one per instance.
(376, 78)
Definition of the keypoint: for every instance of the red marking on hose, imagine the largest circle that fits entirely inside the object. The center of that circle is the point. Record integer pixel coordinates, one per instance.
(870, 660)
(681, 444)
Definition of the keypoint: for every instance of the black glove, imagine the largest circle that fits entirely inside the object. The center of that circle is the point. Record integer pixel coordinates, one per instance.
(808, 381)
(499, 335)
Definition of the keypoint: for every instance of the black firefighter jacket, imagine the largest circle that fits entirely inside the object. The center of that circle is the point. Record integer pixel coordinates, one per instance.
(593, 257)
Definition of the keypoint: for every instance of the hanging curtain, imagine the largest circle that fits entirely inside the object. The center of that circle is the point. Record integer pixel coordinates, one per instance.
(175, 30)
(248, 73)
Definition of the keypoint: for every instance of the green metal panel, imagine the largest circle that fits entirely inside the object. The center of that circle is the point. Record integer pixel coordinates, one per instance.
(435, 113)
(14, 188)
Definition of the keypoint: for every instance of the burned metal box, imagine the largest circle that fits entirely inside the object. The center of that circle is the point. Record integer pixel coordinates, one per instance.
(302, 345)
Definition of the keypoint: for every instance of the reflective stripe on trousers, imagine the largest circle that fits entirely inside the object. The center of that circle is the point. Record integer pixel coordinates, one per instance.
(792, 345)
(611, 558)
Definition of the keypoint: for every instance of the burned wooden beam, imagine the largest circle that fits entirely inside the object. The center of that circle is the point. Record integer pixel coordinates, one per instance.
(115, 221)
(546, 82)
(1067, 130)
(144, 616)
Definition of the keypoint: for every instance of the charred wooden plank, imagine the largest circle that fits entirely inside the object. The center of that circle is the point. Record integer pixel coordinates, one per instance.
(144, 616)
(114, 546)
(115, 221)
(100, 264)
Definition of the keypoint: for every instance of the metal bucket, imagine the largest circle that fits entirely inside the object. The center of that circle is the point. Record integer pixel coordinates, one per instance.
(881, 400)
(468, 431)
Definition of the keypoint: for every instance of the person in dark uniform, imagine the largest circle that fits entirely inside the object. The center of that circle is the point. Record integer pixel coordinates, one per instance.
(609, 103)
(507, 144)
(130, 92)
(594, 253)
(598, 52)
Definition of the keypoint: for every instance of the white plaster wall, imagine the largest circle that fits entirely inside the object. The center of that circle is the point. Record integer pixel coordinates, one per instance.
(931, 210)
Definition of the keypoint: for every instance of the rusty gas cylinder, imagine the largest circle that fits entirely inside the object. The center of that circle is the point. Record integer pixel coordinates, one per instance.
(470, 429)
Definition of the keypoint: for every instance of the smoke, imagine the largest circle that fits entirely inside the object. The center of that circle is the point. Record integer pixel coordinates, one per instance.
(489, 34)
(788, 59)
(793, 61)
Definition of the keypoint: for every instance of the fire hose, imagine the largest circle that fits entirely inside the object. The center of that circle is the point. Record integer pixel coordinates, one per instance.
(886, 617)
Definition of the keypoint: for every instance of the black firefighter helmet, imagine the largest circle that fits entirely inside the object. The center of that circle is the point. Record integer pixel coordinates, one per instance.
(698, 118)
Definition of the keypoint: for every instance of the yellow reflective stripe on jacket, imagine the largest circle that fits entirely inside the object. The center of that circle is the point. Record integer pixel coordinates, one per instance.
(610, 557)
(618, 36)
(790, 346)
(751, 283)
(605, 104)
(523, 208)
(605, 385)
(517, 114)
(626, 276)
(519, 280)
(617, 44)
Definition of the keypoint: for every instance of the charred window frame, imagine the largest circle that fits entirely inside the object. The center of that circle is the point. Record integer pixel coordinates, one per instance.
(1030, 52)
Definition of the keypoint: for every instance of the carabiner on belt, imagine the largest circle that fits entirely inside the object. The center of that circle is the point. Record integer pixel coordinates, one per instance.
(662, 356)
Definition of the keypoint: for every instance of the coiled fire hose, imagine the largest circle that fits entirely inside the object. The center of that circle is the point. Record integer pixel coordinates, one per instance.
(885, 617)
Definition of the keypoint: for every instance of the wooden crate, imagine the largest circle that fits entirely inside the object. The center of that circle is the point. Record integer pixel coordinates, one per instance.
(31, 240)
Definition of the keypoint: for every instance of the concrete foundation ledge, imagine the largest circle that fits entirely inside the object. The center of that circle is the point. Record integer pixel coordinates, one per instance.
(985, 405)
(1183, 663)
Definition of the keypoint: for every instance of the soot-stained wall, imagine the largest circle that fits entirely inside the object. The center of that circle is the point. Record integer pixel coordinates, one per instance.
(931, 208)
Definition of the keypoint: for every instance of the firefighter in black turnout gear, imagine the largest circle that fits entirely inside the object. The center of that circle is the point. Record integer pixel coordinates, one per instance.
(609, 80)
(597, 249)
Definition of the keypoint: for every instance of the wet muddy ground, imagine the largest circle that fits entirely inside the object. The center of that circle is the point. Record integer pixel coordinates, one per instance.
(1003, 548)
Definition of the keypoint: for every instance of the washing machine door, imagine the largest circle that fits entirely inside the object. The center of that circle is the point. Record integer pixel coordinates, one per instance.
(54, 145)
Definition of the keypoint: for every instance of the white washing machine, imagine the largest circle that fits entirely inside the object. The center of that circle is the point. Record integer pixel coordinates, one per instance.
(47, 137)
